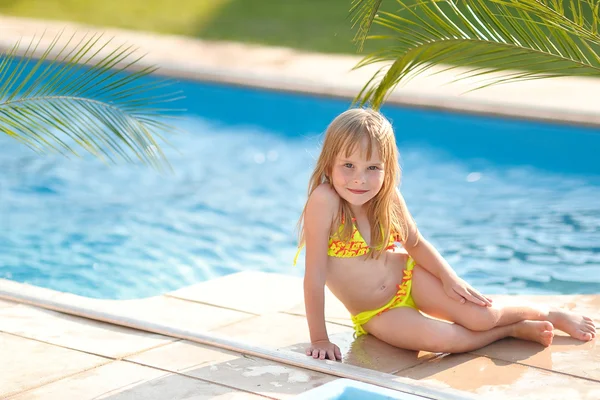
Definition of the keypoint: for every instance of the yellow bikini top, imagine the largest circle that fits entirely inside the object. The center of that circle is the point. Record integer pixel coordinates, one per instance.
(356, 247)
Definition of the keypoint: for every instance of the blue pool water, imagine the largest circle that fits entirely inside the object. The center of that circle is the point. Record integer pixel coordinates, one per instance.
(512, 205)
(348, 389)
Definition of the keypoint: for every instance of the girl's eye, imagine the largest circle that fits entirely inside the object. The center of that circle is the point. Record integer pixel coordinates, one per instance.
(373, 168)
(348, 165)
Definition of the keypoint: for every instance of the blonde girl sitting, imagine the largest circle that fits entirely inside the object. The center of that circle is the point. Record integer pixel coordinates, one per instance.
(410, 297)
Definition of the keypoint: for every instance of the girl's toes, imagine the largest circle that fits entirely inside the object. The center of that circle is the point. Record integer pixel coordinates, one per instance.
(591, 326)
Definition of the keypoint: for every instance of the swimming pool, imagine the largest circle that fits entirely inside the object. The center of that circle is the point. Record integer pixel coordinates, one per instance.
(513, 205)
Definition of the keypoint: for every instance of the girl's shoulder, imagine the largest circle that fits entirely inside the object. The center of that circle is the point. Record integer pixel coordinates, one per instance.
(325, 198)
(325, 193)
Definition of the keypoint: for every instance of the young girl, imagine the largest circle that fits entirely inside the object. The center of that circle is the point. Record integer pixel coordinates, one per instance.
(412, 298)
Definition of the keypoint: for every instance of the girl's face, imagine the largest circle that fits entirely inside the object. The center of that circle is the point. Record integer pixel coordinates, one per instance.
(356, 179)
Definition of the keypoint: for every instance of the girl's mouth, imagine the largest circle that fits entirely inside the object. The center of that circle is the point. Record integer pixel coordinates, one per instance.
(356, 191)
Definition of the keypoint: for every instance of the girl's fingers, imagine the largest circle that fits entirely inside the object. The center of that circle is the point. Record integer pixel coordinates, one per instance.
(456, 296)
(338, 353)
(465, 295)
(481, 297)
(330, 355)
(479, 301)
(473, 299)
(333, 354)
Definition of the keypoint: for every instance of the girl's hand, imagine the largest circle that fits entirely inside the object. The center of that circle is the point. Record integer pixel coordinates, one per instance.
(324, 349)
(459, 290)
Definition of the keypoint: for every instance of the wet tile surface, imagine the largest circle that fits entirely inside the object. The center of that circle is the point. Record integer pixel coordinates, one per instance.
(497, 379)
(183, 355)
(127, 381)
(239, 291)
(27, 363)
(76, 333)
(564, 355)
(371, 353)
(261, 376)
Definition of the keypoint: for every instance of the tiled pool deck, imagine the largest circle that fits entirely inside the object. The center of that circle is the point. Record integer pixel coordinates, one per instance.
(51, 355)
(242, 336)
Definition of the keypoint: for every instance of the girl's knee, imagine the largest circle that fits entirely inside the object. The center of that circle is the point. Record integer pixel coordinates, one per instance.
(482, 319)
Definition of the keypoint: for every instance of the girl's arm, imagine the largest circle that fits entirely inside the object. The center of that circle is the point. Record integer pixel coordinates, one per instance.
(427, 256)
(320, 209)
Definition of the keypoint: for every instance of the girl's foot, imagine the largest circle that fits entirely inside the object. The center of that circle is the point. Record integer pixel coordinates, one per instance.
(578, 326)
(535, 331)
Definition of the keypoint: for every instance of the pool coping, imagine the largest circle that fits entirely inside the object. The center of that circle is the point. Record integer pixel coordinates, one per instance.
(270, 332)
(565, 100)
(51, 300)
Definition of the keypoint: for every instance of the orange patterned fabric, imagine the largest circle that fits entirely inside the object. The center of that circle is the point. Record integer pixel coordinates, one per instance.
(357, 246)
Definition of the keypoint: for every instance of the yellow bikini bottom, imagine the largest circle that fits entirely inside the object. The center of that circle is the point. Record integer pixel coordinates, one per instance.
(403, 298)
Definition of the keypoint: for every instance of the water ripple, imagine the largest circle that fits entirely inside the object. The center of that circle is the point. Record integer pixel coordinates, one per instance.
(233, 202)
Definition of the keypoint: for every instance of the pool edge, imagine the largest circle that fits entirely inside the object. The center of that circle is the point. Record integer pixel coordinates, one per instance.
(49, 299)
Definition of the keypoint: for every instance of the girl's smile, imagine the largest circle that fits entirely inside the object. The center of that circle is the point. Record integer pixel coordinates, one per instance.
(356, 191)
(355, 178)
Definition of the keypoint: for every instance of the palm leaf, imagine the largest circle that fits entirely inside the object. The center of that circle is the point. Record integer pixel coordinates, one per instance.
(364, 13)
(84, 96)
(491, 41)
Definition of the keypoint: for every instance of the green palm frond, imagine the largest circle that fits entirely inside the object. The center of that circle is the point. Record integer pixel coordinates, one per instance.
(493, 41)
(364, 13)
(83, 96)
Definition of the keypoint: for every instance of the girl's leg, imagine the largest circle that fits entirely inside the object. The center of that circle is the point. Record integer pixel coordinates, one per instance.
(407, 328)
(429, 295)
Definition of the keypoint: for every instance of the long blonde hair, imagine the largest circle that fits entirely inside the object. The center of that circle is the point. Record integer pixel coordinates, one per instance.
(386, 215)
